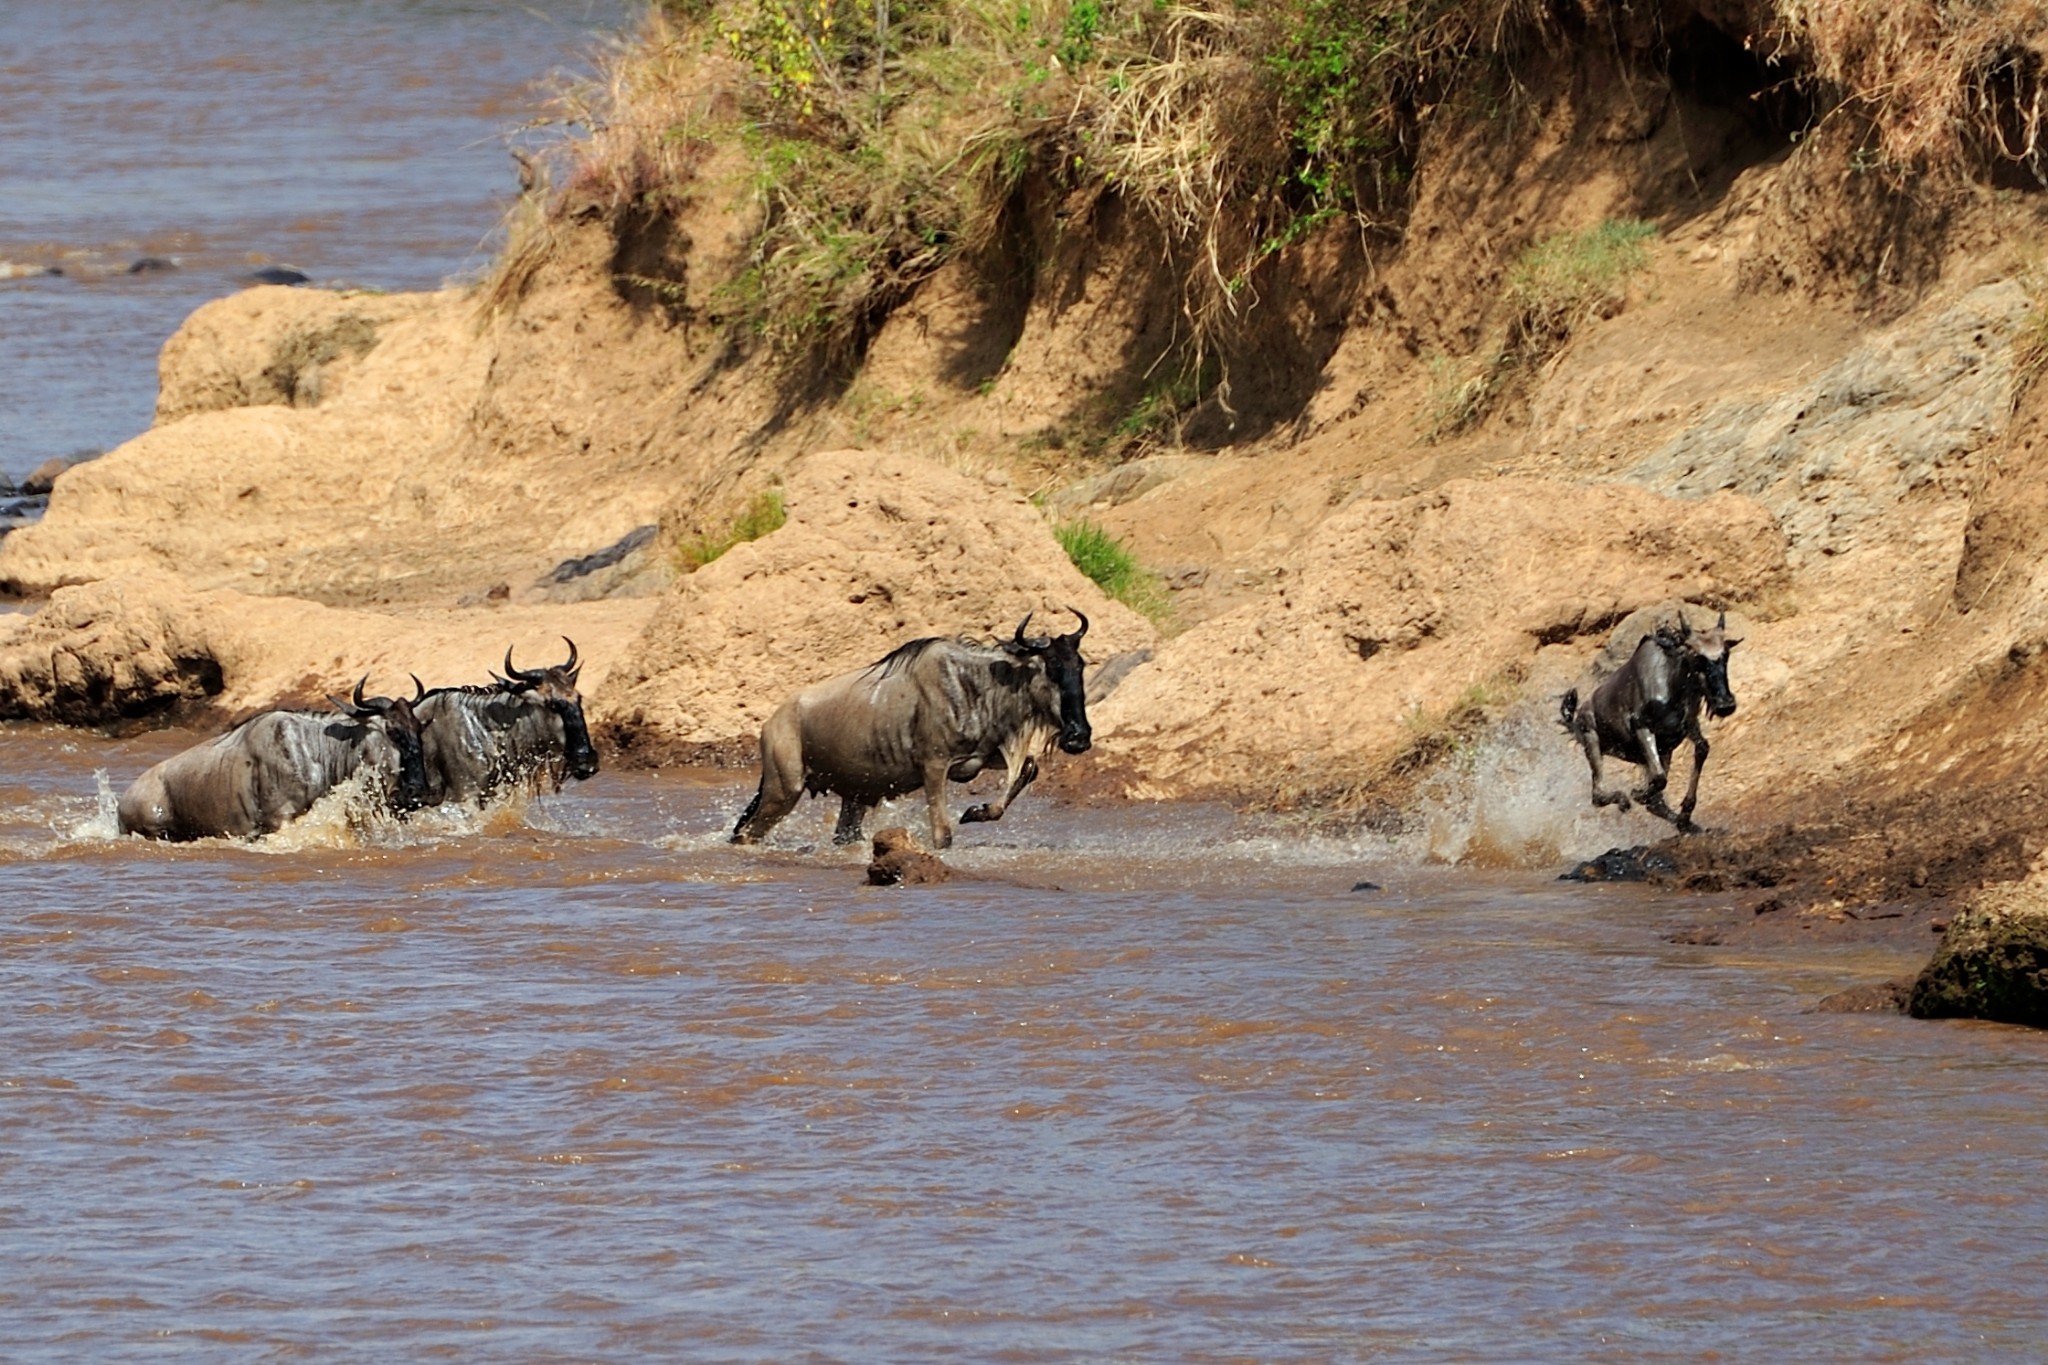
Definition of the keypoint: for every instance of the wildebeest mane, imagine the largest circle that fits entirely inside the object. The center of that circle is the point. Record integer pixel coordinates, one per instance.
(908, 653)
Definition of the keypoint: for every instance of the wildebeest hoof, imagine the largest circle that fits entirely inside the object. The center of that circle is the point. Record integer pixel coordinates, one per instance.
(975, 815)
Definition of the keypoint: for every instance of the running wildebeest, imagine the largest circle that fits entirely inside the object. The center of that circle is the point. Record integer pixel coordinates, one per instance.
(927, 712)
(271, 768)
(523, 727)
(1643, 711)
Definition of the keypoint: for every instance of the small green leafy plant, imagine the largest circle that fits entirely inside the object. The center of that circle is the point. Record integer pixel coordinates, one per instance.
(764, 514)
(1104, 559)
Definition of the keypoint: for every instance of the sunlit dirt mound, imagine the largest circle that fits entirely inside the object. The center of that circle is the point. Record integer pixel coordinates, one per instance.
(150, 645)
(878, 549)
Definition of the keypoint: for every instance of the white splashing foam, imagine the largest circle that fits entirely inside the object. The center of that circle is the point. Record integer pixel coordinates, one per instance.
(1519, 798)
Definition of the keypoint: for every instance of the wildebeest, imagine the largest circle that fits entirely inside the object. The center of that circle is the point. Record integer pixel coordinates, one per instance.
(523, 727)
(1643, 711)
(927, 712)
(271, 768)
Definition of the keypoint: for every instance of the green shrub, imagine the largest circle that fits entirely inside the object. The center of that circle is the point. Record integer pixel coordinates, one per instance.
(764, 514)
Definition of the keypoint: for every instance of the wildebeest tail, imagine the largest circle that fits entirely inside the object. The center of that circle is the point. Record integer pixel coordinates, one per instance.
(1568, 709)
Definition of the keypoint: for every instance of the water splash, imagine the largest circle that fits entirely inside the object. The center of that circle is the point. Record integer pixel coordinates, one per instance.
(1518, 799)
(98, 823)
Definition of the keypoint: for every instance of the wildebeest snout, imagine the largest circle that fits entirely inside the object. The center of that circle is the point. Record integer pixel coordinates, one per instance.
(1076, 739)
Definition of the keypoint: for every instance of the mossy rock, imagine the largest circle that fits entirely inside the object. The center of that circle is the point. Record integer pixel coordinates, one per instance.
(1992, 963)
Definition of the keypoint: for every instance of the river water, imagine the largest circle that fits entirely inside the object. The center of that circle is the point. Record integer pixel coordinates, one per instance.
(362, 142)
(580, 1081)
(584, 1082)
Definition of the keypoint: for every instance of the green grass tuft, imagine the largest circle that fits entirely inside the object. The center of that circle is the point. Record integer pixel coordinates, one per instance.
(764, 514)
(1103, 558)
(1565, 279)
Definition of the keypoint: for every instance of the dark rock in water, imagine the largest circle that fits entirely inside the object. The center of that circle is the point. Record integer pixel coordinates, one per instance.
(1882, 997)
(152, 265)
(603, 559)
(1637, 864)
(1365, 886)
(899, 861)
(278, 274)
(1992, 962)
(1698, 936)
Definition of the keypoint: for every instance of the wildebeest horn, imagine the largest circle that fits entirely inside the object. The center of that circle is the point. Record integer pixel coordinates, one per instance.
(516, 674)
(1021, 644)
(1684, 627)
(360, 707)
(570, 666)
(419, 690)
(1084, 624)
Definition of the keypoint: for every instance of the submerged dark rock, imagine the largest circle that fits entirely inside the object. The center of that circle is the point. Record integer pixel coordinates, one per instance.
(1637, 864)
(152, 265)
(1881, 997)
(278, 274)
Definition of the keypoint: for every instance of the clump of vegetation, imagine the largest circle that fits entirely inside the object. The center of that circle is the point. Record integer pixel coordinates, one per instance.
(1564, 280)
(1460, 394)
(1104, 559)
(1938, 85)
(760, 516)
(1553, 289)
(2030, 346)
(873, 141)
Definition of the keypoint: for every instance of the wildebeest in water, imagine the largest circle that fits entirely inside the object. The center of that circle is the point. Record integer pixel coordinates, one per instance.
(271, 768)
(928, 712)
(1649, 705)
(523, 728)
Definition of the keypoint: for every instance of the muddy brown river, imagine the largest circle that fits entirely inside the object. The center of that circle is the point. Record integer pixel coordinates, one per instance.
(581, 1081)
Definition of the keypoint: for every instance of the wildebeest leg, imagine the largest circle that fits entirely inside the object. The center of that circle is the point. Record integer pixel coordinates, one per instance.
(1020, 777)
(1589, 740)
(853, 817)
(1651, 794)
(935, 802)
(782, 780)
(1692, 787)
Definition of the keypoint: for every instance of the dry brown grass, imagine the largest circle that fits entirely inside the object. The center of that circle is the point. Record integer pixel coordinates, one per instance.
(1940, 81)
(885, 143)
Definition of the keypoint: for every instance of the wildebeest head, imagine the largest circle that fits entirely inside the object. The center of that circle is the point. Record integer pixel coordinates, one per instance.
(393, 718)
(1705, 653)
(1060, 657)
(555, 688)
